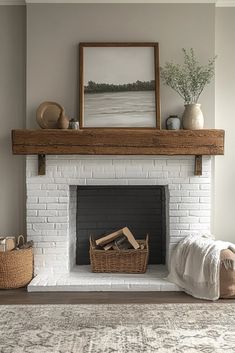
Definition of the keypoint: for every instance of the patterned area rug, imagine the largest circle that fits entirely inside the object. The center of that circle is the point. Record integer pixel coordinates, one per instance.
(158, 328)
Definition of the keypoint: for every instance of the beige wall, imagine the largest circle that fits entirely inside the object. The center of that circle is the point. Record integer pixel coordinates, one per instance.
(53, 34)
(54, 31)
(225, 119)
(12, 116)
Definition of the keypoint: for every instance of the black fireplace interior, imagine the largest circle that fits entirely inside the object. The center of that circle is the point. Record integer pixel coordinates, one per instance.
(103, 209)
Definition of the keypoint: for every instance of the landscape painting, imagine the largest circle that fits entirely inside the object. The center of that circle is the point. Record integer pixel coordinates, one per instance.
(118, 86)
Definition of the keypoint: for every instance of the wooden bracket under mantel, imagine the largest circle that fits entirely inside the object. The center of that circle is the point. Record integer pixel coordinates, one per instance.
(198, 165)
(118, 142)
(41, 164)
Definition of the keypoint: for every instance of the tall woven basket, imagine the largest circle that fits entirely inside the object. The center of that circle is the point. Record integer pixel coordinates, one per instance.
(16, 268)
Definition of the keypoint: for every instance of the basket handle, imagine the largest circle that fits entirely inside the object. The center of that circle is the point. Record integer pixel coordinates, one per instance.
(19, 239)
(92, 242)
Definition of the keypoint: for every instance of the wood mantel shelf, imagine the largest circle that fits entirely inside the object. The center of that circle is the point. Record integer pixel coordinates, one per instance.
(119, 142)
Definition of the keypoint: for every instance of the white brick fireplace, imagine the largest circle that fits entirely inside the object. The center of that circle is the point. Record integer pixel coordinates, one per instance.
(51, 208)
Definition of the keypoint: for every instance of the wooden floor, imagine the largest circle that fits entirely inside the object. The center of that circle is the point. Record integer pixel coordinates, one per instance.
(21, 296)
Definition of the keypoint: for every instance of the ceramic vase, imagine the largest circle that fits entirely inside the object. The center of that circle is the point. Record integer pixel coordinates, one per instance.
(63, 121)
(73, 124)
(192, 117)
(173, 122)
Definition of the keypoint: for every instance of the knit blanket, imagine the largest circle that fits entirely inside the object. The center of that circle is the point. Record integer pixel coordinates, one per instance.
(195, 265)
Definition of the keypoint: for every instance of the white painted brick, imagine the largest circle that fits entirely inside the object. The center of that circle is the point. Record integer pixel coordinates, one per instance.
(175, 232)
(34, 186)
(185, 233)
(58, 193)
(173, 174)
(200, 193)
(49, 186)
(146, 182)
(201, 213)
(190, 199)
(190, 187)
(61, 226)
(40, 180)
(36, 193)
(77, 181)
(179, 193)
(57, 219)
(55, 251)
(32, 199)
(32, 213)
(175, 199)
(173, 206)
(157, 174)
(48, 213)
(159, 162)
(59, 180)
(103, 174)
(189, 220)
(179, 213)
(174, 219)
(39, 226)
(171, 168)
(179, 226)
(63, 199)
(62, 232)
(180, 180)
(51, 244)
(32, 206)
(52, 235)
(200, 226)
(48, 199)
(106, 182)
(174, 186)
(36, 219)
(62, 186)
(65, 213)
(189, 206)
(158, 168)
(57, 206)
(186, 174)
(177, 162)
(199, 180)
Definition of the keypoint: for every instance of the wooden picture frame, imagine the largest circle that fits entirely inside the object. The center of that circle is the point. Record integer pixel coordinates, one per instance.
(118, 62)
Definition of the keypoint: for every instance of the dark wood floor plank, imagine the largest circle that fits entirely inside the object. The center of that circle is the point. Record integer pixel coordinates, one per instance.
(21, 296)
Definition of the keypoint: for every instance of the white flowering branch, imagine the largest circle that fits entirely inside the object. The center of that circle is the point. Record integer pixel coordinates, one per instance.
(189, 79)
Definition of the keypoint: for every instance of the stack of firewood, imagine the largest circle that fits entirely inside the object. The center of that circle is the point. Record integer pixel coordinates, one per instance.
(121, 239)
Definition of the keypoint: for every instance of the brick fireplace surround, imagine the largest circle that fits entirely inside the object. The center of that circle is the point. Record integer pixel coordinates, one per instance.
(51, 214)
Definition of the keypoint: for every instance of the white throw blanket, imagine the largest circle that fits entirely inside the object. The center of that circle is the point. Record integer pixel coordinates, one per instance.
(195, 265)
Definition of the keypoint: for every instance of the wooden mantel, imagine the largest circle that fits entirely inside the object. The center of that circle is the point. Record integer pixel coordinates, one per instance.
(119, 142)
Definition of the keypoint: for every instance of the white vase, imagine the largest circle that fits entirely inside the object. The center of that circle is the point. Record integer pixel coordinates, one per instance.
(192, 117)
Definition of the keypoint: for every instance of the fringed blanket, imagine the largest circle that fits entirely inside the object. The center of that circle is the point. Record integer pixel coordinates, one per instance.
(195, 265)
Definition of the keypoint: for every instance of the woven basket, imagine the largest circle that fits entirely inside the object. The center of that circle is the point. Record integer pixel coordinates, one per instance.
(125, 261)
(16, 268)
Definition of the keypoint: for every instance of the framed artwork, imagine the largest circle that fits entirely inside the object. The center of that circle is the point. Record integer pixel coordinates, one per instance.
(119, 85)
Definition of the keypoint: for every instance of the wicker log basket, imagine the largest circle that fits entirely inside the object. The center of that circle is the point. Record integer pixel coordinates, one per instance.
(16, 267)
(123, 261)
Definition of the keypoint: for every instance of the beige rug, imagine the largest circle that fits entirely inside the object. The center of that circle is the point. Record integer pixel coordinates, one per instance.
(157, 328)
